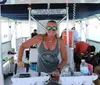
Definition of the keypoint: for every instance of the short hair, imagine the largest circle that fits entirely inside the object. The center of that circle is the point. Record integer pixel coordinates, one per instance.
(91, 48)
(35, 30)
(73, 28)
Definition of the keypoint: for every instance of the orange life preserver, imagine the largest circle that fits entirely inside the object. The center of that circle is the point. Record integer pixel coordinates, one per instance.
(64, 37)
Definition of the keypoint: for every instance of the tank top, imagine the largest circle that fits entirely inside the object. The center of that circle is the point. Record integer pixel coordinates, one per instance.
(47, 59)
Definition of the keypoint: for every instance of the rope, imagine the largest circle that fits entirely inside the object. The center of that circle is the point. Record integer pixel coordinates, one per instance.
(74, 13)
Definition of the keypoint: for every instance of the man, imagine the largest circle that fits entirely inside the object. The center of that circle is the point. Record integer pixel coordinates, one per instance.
(80, 47)
(76, 38)
(34, 33)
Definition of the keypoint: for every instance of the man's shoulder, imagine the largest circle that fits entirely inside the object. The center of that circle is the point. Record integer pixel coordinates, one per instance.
(34, 33)
(31, 33)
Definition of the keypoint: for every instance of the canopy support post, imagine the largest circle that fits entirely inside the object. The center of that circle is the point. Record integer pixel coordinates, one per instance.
(97, 17)
(1, 65)
(29, 16)
(38, 22)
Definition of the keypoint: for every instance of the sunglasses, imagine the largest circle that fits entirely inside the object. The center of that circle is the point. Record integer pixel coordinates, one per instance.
(54, 28)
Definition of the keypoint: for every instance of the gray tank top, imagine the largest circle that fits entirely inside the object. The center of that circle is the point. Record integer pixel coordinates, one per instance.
(47, 59)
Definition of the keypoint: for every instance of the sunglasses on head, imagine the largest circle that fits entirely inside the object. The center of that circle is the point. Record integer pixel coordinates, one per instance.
(54, 28)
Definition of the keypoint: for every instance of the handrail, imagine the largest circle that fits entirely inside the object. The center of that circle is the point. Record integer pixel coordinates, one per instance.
(93, 41)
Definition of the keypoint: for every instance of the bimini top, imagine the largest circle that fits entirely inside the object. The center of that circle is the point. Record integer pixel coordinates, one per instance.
(55, 11)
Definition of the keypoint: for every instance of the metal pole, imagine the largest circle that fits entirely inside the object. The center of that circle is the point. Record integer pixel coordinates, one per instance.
(97, 17)
(21, 34)
(48, 8)
(61, 20)
(87, 30)
(1, 65)
(80, 30)
(15, 36)
(38, 22)
(67, 32)
(29, 13)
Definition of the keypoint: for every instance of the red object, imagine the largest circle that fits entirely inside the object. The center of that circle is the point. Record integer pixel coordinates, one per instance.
(81, 47)
(90, 67)
(64, 37)
(29, 5)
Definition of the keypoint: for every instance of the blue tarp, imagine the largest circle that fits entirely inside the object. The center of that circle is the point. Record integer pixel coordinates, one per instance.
(3, 1)
(20, 11)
